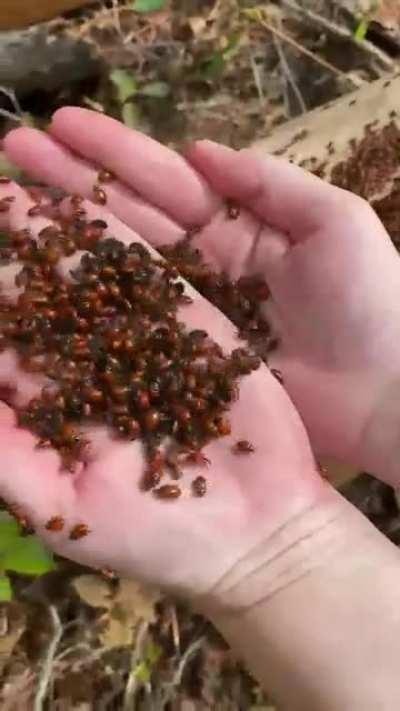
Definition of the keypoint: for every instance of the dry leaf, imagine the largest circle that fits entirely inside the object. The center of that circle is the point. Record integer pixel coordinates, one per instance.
(13, 621)
(93, 590)
(197, 24)
(136, 601)
(130, 604)
(387, 13)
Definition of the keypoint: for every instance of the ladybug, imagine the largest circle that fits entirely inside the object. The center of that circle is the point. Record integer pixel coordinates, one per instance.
(79, 531)
(55, 524)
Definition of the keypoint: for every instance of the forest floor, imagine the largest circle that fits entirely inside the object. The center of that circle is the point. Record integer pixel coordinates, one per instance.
(228, 70)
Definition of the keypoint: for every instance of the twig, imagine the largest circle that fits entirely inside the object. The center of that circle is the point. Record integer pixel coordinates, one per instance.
(177, 678)
(116, 16)
(257, 79)
(334, 28)
(9, 115)
(175, 628)
(46, 670)
(257, 16)
(80, 647)
(11, 95)
(289, 77)
(131, 686)
(18, 116)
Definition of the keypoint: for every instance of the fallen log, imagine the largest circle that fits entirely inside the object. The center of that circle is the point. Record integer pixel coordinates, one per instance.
(22, 13)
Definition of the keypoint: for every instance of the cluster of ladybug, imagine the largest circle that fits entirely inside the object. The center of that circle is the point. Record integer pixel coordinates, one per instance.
(109, 341)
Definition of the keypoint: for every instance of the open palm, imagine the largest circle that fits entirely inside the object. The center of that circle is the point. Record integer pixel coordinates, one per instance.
(190, 543)
(320, 249)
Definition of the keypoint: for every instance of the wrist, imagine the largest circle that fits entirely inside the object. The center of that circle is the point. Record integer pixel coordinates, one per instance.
(301, 547)
(318, 613)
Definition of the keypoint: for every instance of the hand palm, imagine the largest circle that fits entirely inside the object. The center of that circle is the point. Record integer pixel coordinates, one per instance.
(188, 543)
(340, 346)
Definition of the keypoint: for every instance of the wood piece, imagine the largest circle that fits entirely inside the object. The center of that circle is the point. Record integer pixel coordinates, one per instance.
(22, 13)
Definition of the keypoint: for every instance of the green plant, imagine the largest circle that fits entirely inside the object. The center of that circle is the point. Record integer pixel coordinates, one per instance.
(25, 555)
(127, 89)
(361, 29)
(364, 21)
(213, 66)
(144, 6)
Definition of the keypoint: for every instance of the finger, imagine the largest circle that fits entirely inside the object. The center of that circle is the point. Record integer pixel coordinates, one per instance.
(280, 193)
(155, 172)
(159, 175)
(47, 160)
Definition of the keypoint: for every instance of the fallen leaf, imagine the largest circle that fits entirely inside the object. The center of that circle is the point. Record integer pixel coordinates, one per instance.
(14, 619)
(135, 601)
(93, 590)
(387, 13)
(130, 604)
(197, 24)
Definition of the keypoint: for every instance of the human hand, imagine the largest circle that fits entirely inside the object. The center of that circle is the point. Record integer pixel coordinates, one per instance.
(272, 543)
(187, 544)
(332, 270)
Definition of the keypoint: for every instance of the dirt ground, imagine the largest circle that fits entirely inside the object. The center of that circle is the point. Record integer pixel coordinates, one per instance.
(229, 70)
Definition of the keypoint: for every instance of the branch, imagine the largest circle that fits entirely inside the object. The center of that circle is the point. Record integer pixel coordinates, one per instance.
(287, 72)
(47, 666)
(131, 686)
(177, 678)
(335, 29)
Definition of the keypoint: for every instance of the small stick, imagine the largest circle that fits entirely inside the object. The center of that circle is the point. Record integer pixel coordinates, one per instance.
(303, 50)
(47, 666)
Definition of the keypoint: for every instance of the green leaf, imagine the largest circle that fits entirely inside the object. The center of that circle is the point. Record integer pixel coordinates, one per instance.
(142, 672)
(156, 89)
(5, 589)
(125, 84)
(148, 5)
(361, 30)
(130, 114)
(232, 47)
(152, 653)
(214, 66)
(29, 556)
(9, 528)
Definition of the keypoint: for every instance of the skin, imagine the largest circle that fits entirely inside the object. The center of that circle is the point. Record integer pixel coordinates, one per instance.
(286, 568)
